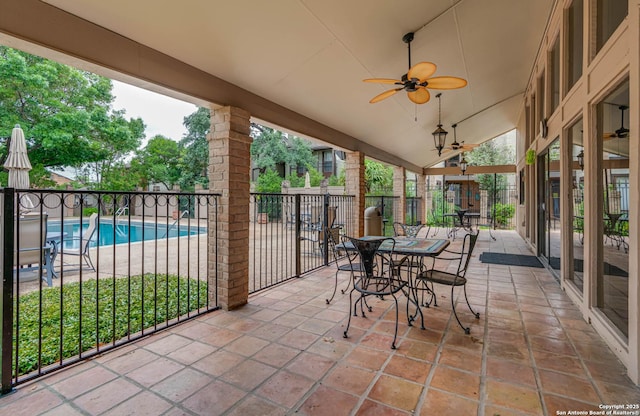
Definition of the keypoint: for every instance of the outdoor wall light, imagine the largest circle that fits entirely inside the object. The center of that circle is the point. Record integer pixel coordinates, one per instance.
(580, 157)
(439, 134)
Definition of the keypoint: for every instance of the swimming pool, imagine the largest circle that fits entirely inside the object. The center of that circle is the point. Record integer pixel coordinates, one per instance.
(124, 232)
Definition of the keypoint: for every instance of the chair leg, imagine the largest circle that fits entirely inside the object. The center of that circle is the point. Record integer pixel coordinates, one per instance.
(348, 284)
(395, 335)
(87, 259)
(335, 287)
(349, 320)
(476, 314)
(467, 330)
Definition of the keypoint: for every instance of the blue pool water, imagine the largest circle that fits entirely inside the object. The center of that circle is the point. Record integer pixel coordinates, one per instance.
(124, 232)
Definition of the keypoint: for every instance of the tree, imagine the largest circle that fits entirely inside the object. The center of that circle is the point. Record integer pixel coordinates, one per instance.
(492, 153)
(272, 148)
(195, 153)
(378, 178)
(159, 162)
(64, 112)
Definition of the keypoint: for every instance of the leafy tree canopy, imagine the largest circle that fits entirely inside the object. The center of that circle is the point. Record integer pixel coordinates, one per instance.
(195, 155)
(65, 114)
(159, 162)
(378, 178)
(271, 148)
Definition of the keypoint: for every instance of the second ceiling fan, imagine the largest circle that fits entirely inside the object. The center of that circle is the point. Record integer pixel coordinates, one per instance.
(417, 81)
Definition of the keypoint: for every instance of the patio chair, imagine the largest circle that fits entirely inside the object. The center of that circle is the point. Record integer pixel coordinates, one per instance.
(84, 243)
(32, 248)
(369, 282)
(407, 230)
(333, 239)
(426, 279)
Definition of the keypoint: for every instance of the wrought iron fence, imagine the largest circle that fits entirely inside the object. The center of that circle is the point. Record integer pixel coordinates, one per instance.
(86, 271)
(287, 236)
(389, 207)
(494, 199)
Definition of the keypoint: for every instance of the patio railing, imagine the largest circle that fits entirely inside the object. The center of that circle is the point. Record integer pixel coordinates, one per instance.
(286, 238)
(80, 284)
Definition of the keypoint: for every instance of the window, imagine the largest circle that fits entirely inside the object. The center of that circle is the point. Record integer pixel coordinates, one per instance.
(522, 187)
(575, 17)
(540, 114)
(576, 163)
(610, 13)
(555, 75)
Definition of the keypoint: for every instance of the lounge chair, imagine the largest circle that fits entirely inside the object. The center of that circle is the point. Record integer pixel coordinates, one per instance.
(85, 240)
(32, 248)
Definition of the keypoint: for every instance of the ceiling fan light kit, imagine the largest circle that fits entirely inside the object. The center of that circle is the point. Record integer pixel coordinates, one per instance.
(417, 81)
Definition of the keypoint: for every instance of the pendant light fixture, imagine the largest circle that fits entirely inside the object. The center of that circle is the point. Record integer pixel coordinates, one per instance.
(439, 134)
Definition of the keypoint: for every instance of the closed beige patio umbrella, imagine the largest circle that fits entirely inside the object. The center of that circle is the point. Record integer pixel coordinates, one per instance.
(17, 162)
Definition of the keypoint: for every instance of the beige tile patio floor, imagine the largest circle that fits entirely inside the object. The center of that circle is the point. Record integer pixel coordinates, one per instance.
(283, 353)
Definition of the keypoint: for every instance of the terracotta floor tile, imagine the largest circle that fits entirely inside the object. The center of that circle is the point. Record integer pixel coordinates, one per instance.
(458, 382)
(371, 408)
(541, 329)
(181, 385)
(270, 331)
(348, 379)
(310, 365)
(461, 359)
(396, 392)
(412, 370)
(325, 401)
(62, 410)
(246, 345)
(285, 388)
(457, 339)
(131, 360)
(494, 410)
(557, 404)
(214, 399)
(220, 337)
(424, 351)
(298, 339)
(106, 396)
(519, 353)
(195, 330)
(316, 326)
(245, 325)
(155, 371)
(331, 348)
(145, 403)
(609, 372)
(513, 397)
(248, 374)
(219, 362)
(510, 371)
(191, 353)
(168, 344)
(367, 358)
(378, 341)
(556, 346)
(566, 385)
(616, 393)
(276, 355)
(561, 363)
(442, 403)
(253, 405)
(31, 404)
(83, 382)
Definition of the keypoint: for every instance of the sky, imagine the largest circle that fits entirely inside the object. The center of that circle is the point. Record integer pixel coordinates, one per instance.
(161, 114)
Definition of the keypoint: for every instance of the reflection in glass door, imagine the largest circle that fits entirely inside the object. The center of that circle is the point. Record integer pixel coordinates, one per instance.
(549, 210)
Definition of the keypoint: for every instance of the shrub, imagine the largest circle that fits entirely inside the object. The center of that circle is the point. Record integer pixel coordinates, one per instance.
(73, 311)
(504, 213)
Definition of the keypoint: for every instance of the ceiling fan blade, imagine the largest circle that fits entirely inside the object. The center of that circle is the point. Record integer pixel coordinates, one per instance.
(446, 83)
(609, 136)
(383, 81)
(469, 146)
(421, 70)
(386, 94)
(419, 96)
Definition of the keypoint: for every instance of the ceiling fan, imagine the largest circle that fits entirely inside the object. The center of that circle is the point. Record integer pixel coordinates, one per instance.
(458, 146)
(622, 132)
(417, 80)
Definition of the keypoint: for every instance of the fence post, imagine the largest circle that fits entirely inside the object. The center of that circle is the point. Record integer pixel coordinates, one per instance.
(325, 222)
(298, 239)
(495, 191)
(6, 311)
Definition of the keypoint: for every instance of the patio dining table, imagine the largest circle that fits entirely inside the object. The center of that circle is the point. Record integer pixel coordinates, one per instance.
(415, 249)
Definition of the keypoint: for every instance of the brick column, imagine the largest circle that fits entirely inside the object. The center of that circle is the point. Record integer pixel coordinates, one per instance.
(400, 194)
(229, 174)
(354, 185)
(421, 192)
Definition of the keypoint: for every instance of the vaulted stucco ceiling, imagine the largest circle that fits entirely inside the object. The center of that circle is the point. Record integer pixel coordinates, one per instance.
(311, 56)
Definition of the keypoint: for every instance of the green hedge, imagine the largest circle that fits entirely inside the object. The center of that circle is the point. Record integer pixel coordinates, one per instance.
(157, 296)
